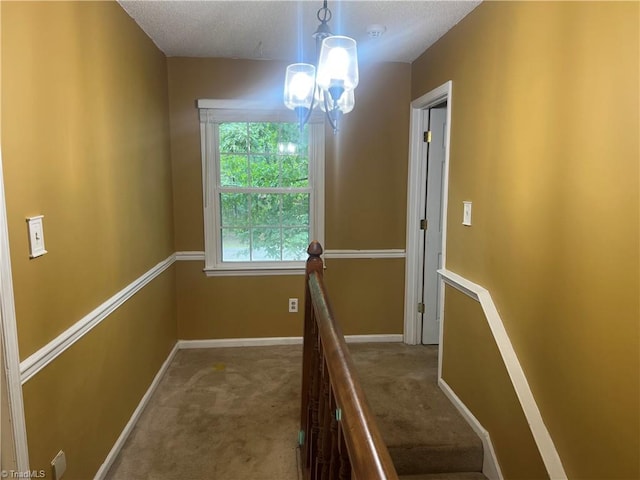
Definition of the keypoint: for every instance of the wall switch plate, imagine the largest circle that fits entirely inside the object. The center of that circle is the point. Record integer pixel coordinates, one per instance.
(466, 213)
(36, 236)
(59, 465)
(293, 305)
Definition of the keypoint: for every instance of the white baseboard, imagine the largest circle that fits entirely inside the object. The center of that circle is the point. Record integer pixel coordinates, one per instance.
(266, 341)
(115, 450)
(378, 338)
(490, 465)
(239, 342)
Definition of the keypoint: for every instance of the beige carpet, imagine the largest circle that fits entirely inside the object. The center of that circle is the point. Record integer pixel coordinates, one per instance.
(219, 414)
(233, 414)
(421, 428)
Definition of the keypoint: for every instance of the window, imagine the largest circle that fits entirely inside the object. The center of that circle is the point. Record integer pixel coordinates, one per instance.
(263, 189)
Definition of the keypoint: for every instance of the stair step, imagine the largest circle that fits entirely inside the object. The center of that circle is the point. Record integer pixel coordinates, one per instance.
(445, 476)
(423, 431)
(423, 457)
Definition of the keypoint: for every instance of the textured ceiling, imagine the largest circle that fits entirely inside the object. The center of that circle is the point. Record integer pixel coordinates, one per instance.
(281, 30)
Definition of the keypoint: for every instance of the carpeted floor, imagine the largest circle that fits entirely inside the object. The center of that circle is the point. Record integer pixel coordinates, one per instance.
(421, 428)
(233, 414)
(219, 414)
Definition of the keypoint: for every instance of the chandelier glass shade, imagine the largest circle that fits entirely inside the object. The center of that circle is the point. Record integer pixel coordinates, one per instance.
(299, 86)
(338, 64)
(331, 84)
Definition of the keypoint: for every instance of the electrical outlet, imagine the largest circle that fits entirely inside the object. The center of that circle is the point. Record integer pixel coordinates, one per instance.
(59, 465)
(293, 305)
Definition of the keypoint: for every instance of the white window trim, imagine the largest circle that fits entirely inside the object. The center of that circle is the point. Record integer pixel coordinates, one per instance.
(213, 112)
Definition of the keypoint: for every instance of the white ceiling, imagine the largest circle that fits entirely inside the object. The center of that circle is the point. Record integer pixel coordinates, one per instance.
(281, 30)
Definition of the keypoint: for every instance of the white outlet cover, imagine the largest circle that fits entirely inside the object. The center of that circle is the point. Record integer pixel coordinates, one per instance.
(293, 305)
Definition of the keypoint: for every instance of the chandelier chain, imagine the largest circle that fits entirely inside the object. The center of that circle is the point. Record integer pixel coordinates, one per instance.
(324, 14)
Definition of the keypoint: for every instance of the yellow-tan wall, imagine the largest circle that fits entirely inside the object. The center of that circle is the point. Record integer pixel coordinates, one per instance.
(544, 141)
(365, 190)
(487, 391)
(85, 142)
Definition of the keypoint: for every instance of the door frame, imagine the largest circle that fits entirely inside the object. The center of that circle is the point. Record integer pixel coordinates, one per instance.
(9, 339)
(416, 192)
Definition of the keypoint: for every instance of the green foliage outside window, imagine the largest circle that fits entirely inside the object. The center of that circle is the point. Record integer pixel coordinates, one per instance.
(264, 191)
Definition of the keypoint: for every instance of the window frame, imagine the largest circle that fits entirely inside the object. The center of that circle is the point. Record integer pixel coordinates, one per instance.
(214, 112)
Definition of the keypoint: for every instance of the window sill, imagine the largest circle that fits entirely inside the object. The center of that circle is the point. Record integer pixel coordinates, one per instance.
(253, 272)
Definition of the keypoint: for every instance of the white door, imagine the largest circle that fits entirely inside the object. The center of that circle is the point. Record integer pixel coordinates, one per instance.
(436, 119)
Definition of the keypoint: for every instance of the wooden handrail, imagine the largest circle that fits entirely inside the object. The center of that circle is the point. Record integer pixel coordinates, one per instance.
(339, 434)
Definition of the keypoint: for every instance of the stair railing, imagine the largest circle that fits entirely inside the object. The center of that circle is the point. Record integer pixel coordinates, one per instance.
(339, 437)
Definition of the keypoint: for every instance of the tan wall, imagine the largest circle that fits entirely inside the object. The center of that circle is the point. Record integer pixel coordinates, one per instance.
(544, 142)
(236, 307)
(85, 143)
(82, 401)
(487, 391)
(366, 169)
(367, 295)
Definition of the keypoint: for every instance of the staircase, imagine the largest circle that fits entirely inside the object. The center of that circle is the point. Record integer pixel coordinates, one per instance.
(426, 436)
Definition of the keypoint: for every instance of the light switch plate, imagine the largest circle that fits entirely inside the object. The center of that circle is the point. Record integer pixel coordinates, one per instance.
(36, 236)
(59, 465)
(466, 213)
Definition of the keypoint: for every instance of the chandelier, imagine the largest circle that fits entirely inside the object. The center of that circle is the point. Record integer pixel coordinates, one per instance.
(330, 83)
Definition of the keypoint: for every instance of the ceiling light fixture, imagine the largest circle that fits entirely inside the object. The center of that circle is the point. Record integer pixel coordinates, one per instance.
(331, 83)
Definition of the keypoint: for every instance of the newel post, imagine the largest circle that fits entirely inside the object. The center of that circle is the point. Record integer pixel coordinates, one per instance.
(314, 265)
(314, 262)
